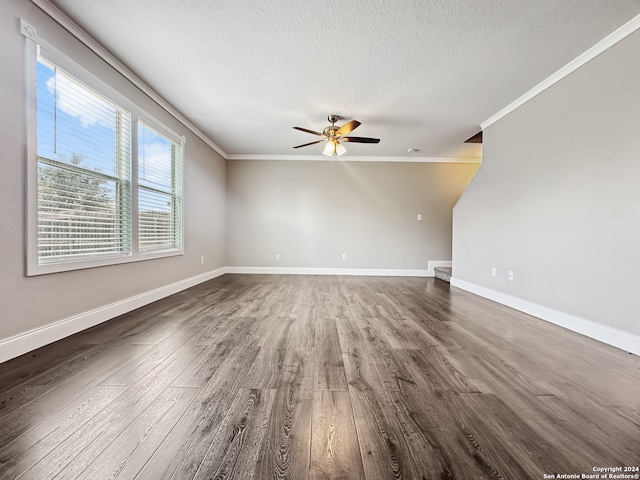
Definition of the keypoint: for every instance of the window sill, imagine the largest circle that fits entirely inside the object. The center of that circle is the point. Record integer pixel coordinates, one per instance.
(44, 269)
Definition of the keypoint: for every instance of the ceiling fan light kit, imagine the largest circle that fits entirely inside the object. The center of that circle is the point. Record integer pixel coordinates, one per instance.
(333, 136)
(333, 147)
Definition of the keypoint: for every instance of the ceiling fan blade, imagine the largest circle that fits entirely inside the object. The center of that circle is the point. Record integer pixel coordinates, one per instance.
(360, 140)
(349, 127)
(307, 144)
(308, 131)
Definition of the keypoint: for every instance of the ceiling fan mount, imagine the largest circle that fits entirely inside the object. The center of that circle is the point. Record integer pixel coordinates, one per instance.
(330, 131)
(334, 135)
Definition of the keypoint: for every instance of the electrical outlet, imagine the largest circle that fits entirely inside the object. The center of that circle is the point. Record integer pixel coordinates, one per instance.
(510, 276)
(344, 256)
(493, 271)
(202, 260)
(419, 217)
(277, 256)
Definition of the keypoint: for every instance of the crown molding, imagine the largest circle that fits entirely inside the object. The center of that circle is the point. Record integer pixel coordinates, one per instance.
(74, 29)
(603, 45)
(323, 158)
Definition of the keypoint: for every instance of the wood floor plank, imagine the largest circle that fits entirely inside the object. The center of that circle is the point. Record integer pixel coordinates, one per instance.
(234, 450)
(21, 370)
(229, 342)
(136, 370)
(335, 451)
(285, 451)
(265, 371)
(274, 332)
(40, 408)
(461, 444)
(305, 376)
(393, 373)
(88, 442)
(432, 370)
(488, 447)
(57, 374)
(534, 455)
(573, 435)
(439, 446)
(303, 330)
(204, 367)
(94, 358)
(384, 452)
(20, 396)
(32, 446)
(596, 439)
(434, 456)
(329, 371)
(396, 329)
(360, 371)
(365, 365)
(298, 370)
(183, 450)
(212, 331)
(491, 368)
(130, 451)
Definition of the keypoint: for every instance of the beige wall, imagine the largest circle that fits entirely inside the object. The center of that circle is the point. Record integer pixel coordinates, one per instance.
(28, 303)
(313, 212)
(557, 199)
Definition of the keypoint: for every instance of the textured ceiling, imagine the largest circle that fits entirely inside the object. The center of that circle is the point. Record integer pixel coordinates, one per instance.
(417, 74)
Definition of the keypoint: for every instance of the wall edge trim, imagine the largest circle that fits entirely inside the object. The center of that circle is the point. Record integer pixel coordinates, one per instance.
(372, 272)
(39, 337)
(611, 336)
(585, 57)
(323, 158)
(85, 38)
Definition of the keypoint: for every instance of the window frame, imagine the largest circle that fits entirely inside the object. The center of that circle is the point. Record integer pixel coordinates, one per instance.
(137, 114)
(175, 139)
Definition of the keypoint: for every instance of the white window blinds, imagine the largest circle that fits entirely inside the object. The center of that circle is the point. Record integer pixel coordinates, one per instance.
(84, 172)
(159, 189)
(104, 178)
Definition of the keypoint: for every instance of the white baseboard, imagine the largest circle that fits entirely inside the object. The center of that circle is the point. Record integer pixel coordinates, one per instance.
(373, 272)
(25, 342)
(439, 263)
(611, 336)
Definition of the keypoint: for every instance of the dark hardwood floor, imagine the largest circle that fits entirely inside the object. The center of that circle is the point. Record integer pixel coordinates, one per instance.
(320, 377)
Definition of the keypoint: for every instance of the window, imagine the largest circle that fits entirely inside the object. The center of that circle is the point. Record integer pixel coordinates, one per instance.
(105, 181)
(159, 181)
(84, 187)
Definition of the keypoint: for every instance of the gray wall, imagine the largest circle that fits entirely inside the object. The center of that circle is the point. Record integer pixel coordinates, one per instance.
(31, 302)
(311, 212)
(557, 199)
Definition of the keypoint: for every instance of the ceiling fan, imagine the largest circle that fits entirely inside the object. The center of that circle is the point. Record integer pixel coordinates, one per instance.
(333, 135)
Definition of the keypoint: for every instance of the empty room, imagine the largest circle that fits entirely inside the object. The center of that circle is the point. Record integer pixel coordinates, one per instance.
(320, 240)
